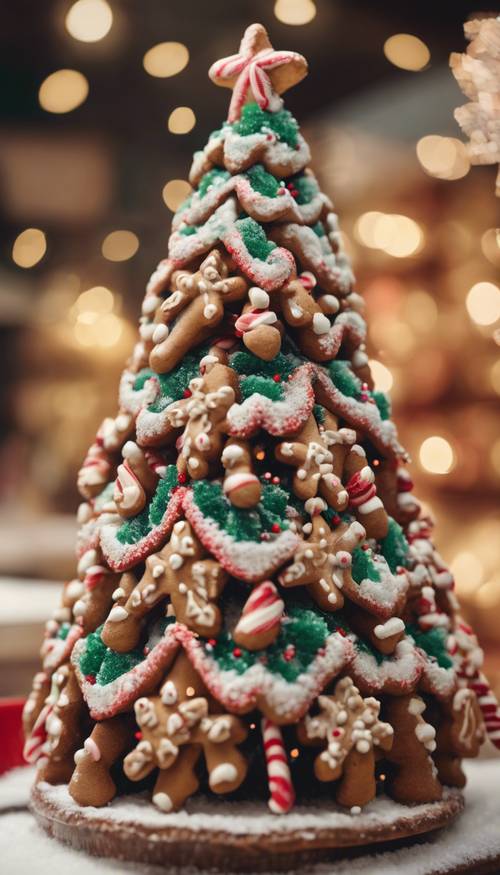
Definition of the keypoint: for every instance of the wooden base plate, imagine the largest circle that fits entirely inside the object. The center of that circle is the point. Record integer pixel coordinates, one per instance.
(234, 836)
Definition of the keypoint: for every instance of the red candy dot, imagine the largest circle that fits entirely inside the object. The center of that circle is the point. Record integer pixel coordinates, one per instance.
(336, 733)
(212, 642)
(90, 678)
(182, 477)
(277, 378)
(335, 519)
(289, 653)
(138, 735)
(276, 480)
(237, 652)
(275, 528)
(341, 631)
(187, 393)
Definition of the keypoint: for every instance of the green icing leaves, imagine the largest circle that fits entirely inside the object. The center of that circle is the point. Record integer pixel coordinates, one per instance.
(63, 630)
(103, 664)
(136, 528)
(306, 188)
(254, 238)
(242, 525)
(318, 229)
(262, 182)
(394, 546)
(363, 566)
(255, 120)
(319, 414)
(266, 378)
(301, 636)
(214, 177)
(344, 379)
(171, 386)
(383, 403)
(432, 642)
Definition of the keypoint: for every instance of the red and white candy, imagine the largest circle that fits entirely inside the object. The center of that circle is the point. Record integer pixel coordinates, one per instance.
(278, 772)
(260, 620)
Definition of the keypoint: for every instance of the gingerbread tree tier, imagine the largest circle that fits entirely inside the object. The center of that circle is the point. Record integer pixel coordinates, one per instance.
(258, 602)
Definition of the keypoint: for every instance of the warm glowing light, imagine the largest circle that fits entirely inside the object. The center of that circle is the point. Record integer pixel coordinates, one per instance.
(443, 157)
(436, 455)
(421, 310)
(381, 375)
(166, 59)
(490, 245)
(468, 570)
(488, 596)
(295, 11)
(175, 192)
(190, 691)
(98, 330)
(89, 20)
(495, 376)
(294, 753)
(365, 227)
(96, 300)
(181, 120)
(407, 52)
(120, 245)
(483, 303)
(397, 235)
(29, 247)
(63, 91)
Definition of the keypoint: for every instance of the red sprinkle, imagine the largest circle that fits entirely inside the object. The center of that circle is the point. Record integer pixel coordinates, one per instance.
(138, 735)
(90, 678)
(275, 528)
(237, 652)
(341, 631)
(212, 641)
(277, 378)
(187, 393)
(289, 653)
(335, 519)
(276, 480)
(182, 477)
(336, 733)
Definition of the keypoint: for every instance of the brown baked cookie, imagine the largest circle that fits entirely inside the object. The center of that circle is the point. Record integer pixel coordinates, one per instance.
(350, 731)
(412, 777)
(91, 782)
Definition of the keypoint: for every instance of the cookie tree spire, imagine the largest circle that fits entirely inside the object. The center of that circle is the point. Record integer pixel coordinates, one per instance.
(257, 73)
(250, 554)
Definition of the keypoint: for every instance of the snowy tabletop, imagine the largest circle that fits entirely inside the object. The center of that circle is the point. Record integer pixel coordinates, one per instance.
(474, 838)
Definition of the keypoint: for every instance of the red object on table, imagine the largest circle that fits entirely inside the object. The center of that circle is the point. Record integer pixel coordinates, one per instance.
(11, 734)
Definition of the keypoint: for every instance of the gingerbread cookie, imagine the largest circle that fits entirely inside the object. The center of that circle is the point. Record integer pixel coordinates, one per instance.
(260, 621)
(92, 782)
(413, 776)
(241, 485)
(350, 730)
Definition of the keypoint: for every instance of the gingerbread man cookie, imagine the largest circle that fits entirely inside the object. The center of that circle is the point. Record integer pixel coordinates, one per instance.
(349, 728)
(177, 727)
(197, 306)
(135, 481)
(182, 571)
(258, 326)
(460, 733)
(203, 415)
(92, 782)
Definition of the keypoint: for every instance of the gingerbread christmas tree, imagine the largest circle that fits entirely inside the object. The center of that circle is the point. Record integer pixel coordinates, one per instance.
(258, 610)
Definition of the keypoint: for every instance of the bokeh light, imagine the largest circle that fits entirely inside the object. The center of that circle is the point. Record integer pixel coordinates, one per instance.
(394, 234)
(421, 311)
(483, 303)
(364, 228)
(490, 245)
(175, 192)
(120, 245)
(29, 247)
(181, 120)
(381, 376)
(407, 52)
(468, 571)
(98, 299)
(89, 20)
(63, 91)
(443, 157)
(436, 455)
(295, 11)
(166, 59)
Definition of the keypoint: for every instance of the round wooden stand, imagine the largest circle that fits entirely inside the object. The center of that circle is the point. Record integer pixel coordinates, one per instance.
(234, 837)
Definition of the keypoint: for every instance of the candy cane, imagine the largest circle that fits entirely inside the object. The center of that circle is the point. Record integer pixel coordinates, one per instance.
(32, 750)
(488, 703)
(278, 772)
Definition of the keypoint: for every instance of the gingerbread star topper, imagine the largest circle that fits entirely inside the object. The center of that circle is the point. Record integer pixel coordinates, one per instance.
(257, 71)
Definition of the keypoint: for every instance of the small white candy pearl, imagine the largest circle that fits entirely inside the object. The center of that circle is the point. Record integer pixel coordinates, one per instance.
(258, 298)
(160, 333)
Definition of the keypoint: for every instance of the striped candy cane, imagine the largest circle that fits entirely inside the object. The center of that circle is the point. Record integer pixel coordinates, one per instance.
(488, 703)
(278, 773)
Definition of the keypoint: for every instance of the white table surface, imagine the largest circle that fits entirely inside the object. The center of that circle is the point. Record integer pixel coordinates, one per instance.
(475, 837)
